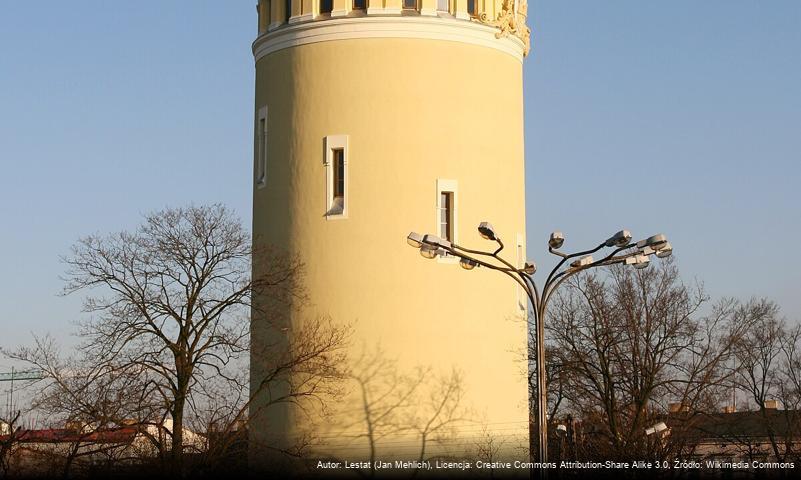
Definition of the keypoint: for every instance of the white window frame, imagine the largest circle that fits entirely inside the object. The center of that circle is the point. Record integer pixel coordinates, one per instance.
(260, 171)
(452, 186)
(331, 143)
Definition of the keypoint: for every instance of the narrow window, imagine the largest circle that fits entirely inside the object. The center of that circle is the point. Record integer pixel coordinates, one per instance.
(447, 211)
(339, 175)
(261, 148)
(446, 216)
(326, 6)
(472, 7)
(288, 10)
(442, 5)
(359, 4)
(410, 4)
(336, 176)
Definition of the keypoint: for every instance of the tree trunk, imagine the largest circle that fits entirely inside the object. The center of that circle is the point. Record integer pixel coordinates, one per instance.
(178, 435)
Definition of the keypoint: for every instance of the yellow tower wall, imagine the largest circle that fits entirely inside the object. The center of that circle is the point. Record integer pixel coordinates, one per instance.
(415, 111)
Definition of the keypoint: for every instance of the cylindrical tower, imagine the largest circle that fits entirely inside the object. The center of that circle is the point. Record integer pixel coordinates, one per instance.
(374, 118)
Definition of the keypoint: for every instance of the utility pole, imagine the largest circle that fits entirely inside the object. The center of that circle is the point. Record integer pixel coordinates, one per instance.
(18, 375)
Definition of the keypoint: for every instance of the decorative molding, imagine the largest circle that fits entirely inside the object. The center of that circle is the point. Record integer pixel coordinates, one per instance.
(429, 28)
(511, 21)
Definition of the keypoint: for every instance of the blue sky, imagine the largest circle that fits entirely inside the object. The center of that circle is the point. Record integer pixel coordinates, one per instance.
(681, 116)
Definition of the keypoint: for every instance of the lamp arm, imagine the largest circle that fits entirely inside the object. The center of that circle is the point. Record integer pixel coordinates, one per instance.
(533, 293)
(534, 289)
(559, 279)
(610, 259)
(500, 247)
(566, 258)
(474, 252)
(525, 282)
(509, 266)
(485, 264)
(612, 255)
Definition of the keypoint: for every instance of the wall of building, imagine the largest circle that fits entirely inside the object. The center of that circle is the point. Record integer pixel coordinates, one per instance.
(415, 111)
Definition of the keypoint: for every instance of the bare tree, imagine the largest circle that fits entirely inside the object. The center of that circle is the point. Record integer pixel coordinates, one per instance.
(768, 369)
(759, 353)
(9, 440)
(414, 410)
(627, 344)
(169, 332)
(488, 448)
(305, 369)
(92, 397)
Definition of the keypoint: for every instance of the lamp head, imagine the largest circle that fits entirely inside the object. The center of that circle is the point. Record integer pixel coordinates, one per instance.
(415, 239)
(429, 251)
(620, 239)
(557, 240)
(658, 428)
(467, 263)
(656, 242)
(435, 241)
(665, 251)
(638, 260)
(486, 231)
(582, 262)
(642, 262)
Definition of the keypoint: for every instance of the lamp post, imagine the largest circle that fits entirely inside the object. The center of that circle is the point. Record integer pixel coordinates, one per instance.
(624, 251)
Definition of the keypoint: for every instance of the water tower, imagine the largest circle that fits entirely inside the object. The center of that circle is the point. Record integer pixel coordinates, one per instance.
(374, 118)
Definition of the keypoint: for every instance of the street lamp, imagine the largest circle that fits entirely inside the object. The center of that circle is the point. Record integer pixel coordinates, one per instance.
(658, 428)
(636, 254)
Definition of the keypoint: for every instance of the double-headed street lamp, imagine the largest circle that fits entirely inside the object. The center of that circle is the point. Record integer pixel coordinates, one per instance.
(625, 251)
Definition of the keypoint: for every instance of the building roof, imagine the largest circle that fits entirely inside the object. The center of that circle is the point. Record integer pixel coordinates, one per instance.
(64, 435)
(750, 424)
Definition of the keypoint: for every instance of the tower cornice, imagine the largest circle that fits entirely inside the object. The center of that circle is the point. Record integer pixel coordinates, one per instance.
(418, 27)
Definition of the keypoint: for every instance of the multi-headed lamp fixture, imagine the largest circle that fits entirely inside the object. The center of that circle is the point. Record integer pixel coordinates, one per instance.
(625, 251)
